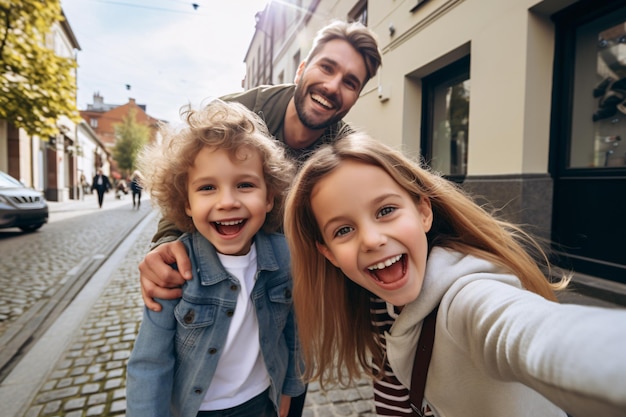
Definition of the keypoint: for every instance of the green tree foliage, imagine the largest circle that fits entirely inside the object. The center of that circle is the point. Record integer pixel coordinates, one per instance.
(36, 85)
(130, 137)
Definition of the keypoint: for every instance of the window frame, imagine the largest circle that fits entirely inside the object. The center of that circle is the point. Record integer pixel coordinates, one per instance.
(567, 23)
(457, 71)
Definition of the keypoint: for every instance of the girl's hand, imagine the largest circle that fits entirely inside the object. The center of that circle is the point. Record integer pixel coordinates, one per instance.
(285, 402)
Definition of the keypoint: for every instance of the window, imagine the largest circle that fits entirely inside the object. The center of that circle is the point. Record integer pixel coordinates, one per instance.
(93, 122)
(445, 123)
(598, 128)
(359, 12)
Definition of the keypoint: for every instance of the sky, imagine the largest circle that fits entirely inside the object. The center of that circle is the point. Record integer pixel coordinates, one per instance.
(169, 54)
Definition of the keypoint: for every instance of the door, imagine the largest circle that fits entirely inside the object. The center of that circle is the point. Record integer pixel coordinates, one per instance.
(588, 155)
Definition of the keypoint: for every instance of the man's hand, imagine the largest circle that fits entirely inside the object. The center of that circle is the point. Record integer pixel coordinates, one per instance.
(158, 279)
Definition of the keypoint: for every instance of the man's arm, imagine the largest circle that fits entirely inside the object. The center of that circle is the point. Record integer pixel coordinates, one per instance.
(166, 232)
(157, 277)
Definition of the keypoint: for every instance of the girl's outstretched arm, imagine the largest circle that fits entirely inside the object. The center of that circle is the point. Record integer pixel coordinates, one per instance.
(573, 355)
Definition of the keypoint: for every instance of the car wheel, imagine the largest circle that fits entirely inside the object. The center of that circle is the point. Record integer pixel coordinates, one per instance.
(31, 227)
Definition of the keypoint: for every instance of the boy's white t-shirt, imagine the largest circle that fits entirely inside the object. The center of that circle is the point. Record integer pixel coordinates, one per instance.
(240, 374)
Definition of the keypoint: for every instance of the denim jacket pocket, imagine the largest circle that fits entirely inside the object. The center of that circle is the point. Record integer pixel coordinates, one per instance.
(193, 319)
(281, 301)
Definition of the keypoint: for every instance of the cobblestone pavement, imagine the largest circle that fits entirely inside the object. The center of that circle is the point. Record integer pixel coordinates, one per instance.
(35, 264)
(89, 377)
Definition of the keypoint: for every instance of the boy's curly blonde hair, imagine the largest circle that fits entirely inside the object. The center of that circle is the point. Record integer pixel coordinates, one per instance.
(229, 126)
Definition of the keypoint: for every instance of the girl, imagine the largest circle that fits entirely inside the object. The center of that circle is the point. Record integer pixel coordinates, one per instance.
(377, 243)
(229, 345)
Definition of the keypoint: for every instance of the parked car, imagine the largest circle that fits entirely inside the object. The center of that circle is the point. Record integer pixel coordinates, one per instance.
(21, 206)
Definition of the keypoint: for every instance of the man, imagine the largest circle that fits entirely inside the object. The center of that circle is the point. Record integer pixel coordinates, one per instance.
(303, 116)
(101, 184)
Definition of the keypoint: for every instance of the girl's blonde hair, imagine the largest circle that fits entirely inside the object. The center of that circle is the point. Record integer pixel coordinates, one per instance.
(219, 125)
(332, 311)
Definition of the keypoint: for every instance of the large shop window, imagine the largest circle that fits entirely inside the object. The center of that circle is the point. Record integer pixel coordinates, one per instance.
(445, 123)
(598, 135)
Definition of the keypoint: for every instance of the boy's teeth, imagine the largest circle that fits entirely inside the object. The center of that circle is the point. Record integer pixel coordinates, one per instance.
(388, 262)
(230, 223)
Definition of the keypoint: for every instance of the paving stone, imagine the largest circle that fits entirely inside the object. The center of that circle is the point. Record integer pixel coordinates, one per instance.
(119, 393)
(118, 406)
(57, 394)
(52, 407)
(96, 410)
(79, 370)
(80, 380)
(99, 376)
(49, 385)
(34, 411)
(74, 404)
(100, 398)
(90, 388)
(115, 373)
(113, 383)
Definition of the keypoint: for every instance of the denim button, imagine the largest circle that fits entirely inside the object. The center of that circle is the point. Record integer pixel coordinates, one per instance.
(287, 293)
(189, 317)
(230, 313)
(212, 351)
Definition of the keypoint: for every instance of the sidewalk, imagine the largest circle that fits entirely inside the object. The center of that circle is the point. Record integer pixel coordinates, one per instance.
(88, 204)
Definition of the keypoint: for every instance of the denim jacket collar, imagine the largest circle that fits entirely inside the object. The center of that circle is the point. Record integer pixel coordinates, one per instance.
(210, 269)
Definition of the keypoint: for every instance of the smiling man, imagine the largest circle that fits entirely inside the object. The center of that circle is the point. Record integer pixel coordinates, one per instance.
(303, 116)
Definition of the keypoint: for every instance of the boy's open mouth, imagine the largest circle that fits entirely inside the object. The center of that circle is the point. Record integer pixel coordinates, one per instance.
(230, 227)
(390, 270)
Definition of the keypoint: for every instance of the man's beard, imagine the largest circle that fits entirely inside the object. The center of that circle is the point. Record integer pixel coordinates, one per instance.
(300, 96)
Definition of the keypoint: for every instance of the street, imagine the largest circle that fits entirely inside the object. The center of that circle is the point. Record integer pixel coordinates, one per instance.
(70, 310)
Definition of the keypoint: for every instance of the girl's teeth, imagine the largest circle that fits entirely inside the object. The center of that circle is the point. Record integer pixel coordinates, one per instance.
(388, 262)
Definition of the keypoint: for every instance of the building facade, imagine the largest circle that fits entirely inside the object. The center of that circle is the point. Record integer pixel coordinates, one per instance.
(522, 102)
(102, 118)
(46, 164)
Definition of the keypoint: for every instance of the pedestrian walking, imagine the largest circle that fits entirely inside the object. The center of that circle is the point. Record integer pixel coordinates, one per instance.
(221, 180)
(442, 303)
(101, 184)
(135, 188)
(83, 185)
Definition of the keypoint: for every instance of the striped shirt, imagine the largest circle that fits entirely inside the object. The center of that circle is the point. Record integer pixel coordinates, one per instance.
(391, 398)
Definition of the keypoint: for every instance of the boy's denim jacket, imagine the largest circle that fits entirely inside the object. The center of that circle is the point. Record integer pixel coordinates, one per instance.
(177, 350)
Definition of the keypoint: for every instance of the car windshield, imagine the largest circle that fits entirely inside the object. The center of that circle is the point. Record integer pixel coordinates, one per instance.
(7, 181)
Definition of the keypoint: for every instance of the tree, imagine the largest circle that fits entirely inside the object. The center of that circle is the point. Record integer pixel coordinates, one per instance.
(36, 85)
(130, 137)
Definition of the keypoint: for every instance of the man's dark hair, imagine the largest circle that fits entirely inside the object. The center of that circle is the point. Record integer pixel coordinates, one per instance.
(356, 34)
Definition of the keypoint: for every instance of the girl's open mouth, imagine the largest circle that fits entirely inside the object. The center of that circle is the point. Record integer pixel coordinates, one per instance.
(390, 270)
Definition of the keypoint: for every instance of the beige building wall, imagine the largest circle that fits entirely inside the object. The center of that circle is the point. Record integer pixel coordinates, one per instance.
(511, 45)
(511, 51)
